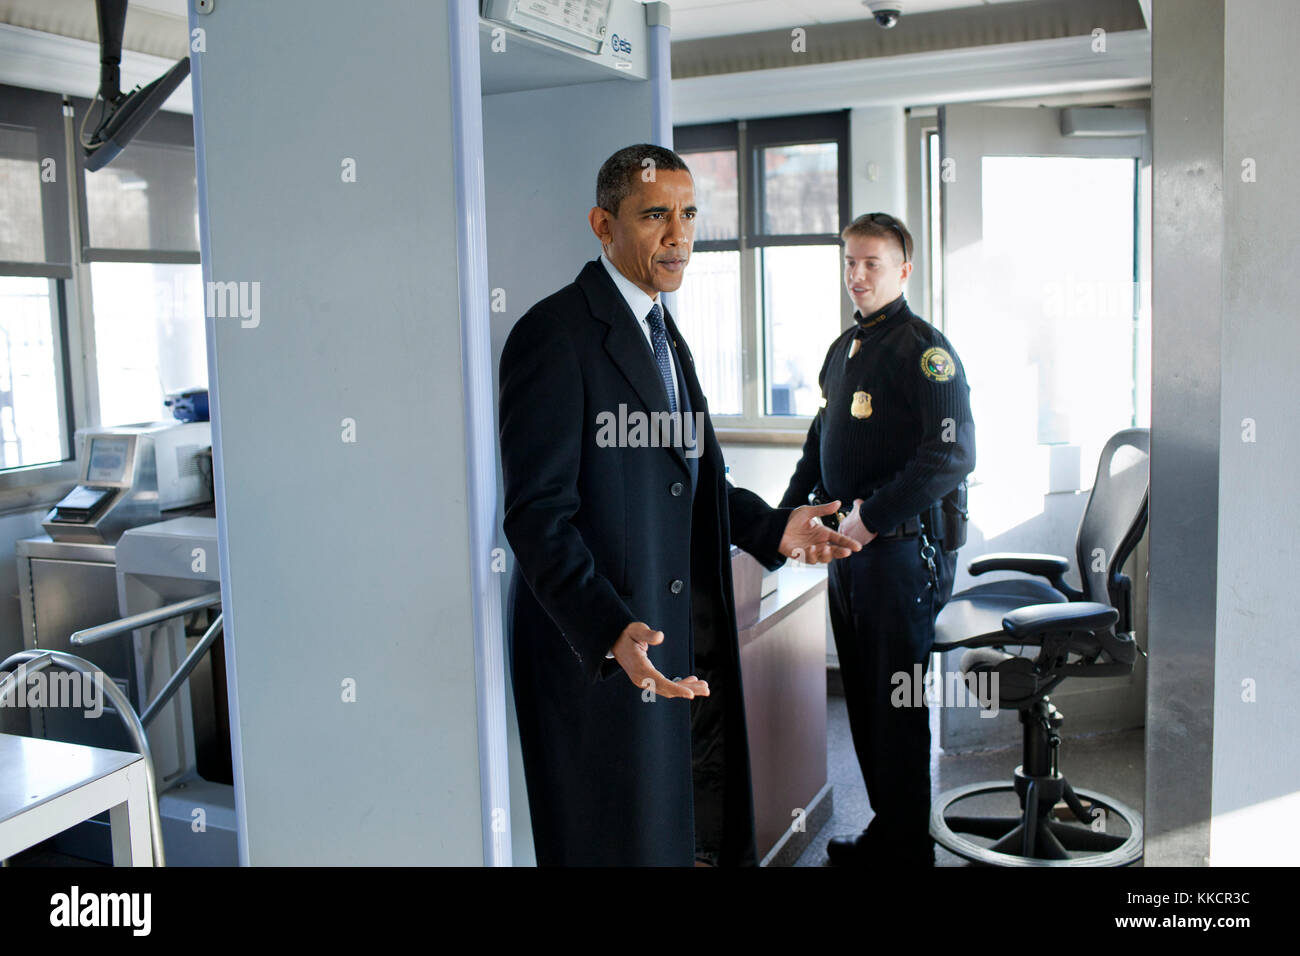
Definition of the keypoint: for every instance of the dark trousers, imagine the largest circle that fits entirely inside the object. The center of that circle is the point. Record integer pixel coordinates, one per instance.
(882, 607)
(708, 767)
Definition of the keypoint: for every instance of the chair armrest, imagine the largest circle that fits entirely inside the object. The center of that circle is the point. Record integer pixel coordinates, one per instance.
(1043, 565)
(1049, 566)
(1036, 619)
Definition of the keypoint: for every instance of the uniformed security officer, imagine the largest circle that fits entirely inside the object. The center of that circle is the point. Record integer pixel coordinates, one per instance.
(895, 436)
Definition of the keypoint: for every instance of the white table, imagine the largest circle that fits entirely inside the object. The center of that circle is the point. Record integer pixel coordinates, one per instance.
(47, 786)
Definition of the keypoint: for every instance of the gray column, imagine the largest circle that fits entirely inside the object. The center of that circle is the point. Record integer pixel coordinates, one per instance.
(1186, 304)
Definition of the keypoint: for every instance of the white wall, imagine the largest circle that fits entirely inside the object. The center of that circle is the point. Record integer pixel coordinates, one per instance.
(1256, 783)
(879, 170)
(763, 469)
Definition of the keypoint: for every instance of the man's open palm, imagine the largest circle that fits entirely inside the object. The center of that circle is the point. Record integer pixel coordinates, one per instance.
(631, 652)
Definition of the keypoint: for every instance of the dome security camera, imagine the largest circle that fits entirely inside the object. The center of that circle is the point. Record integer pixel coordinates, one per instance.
(886, 12)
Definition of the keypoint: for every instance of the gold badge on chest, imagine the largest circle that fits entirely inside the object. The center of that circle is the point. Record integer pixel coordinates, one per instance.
(861, 407)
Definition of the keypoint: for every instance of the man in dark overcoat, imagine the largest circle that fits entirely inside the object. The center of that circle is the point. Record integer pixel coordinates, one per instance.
(621, 618)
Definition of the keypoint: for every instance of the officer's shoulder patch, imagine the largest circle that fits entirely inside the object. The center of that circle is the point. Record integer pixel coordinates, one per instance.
(937, 365)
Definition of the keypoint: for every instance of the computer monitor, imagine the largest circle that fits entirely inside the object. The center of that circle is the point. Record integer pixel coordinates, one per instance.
(108, 459)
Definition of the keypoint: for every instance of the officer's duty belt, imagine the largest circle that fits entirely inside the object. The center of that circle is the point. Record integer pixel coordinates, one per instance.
(908, 529)
(928, 522)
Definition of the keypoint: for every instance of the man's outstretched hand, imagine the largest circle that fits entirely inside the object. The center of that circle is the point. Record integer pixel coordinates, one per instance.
(807, 539)
(630, 652)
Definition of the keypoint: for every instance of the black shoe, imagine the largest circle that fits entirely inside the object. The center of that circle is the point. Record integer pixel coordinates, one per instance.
(861, 850)
(848, 850)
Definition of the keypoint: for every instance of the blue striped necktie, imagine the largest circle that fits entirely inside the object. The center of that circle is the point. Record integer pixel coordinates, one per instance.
(659, 335)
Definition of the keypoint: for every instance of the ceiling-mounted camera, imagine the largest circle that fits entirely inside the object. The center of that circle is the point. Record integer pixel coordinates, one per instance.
(886, 12)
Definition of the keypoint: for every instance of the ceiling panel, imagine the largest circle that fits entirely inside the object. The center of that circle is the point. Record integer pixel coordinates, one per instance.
(175, 8)
(156, 27)
(695, 19)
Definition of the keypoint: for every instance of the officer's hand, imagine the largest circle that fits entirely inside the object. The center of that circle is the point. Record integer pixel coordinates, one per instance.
(807, 539)
(630, 650)
(853, 526)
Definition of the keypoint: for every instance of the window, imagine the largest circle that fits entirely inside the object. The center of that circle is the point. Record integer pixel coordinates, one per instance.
(149, 337)
(140, 236)
(801, 311)
(710, 298)
(35, 260)
(711, 321)
(762, 299)
(138, 256)
(1059, 235)
(31, 358)
(146, 200)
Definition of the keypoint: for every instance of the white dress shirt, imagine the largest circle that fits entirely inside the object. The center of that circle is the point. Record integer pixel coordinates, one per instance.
(640, 304)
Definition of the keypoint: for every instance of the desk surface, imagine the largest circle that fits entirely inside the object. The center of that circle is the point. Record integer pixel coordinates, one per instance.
(796, 585)
(35, 771)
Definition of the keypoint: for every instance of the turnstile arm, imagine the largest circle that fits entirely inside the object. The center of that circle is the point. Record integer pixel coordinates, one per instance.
(102, 632)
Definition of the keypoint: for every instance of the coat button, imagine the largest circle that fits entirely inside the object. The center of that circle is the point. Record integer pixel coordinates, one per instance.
(676, 489)
(676, 587)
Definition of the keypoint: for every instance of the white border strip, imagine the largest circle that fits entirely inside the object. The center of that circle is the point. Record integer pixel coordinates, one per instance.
(480, 432)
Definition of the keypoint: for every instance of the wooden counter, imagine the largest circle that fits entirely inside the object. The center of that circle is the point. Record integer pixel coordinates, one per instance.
(783, 666)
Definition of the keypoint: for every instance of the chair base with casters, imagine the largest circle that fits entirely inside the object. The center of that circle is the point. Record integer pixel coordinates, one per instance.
(1075, 638)
(1036, 837)
(1071, 633)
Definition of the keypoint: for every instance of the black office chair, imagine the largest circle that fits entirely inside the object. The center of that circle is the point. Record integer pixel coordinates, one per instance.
(1033, 635)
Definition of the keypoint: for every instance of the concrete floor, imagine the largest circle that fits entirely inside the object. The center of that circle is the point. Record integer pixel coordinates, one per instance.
(1112, 764)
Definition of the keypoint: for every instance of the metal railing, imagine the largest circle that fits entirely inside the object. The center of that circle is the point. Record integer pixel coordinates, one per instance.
(135, 724)
(39, 660)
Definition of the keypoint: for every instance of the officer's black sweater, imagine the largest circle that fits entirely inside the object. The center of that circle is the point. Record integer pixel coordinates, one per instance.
(918, 440)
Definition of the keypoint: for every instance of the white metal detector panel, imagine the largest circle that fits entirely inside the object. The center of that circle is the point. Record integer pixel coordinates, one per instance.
(328, 191)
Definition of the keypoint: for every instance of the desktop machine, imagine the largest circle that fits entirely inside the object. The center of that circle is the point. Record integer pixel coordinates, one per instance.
(132, 477)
